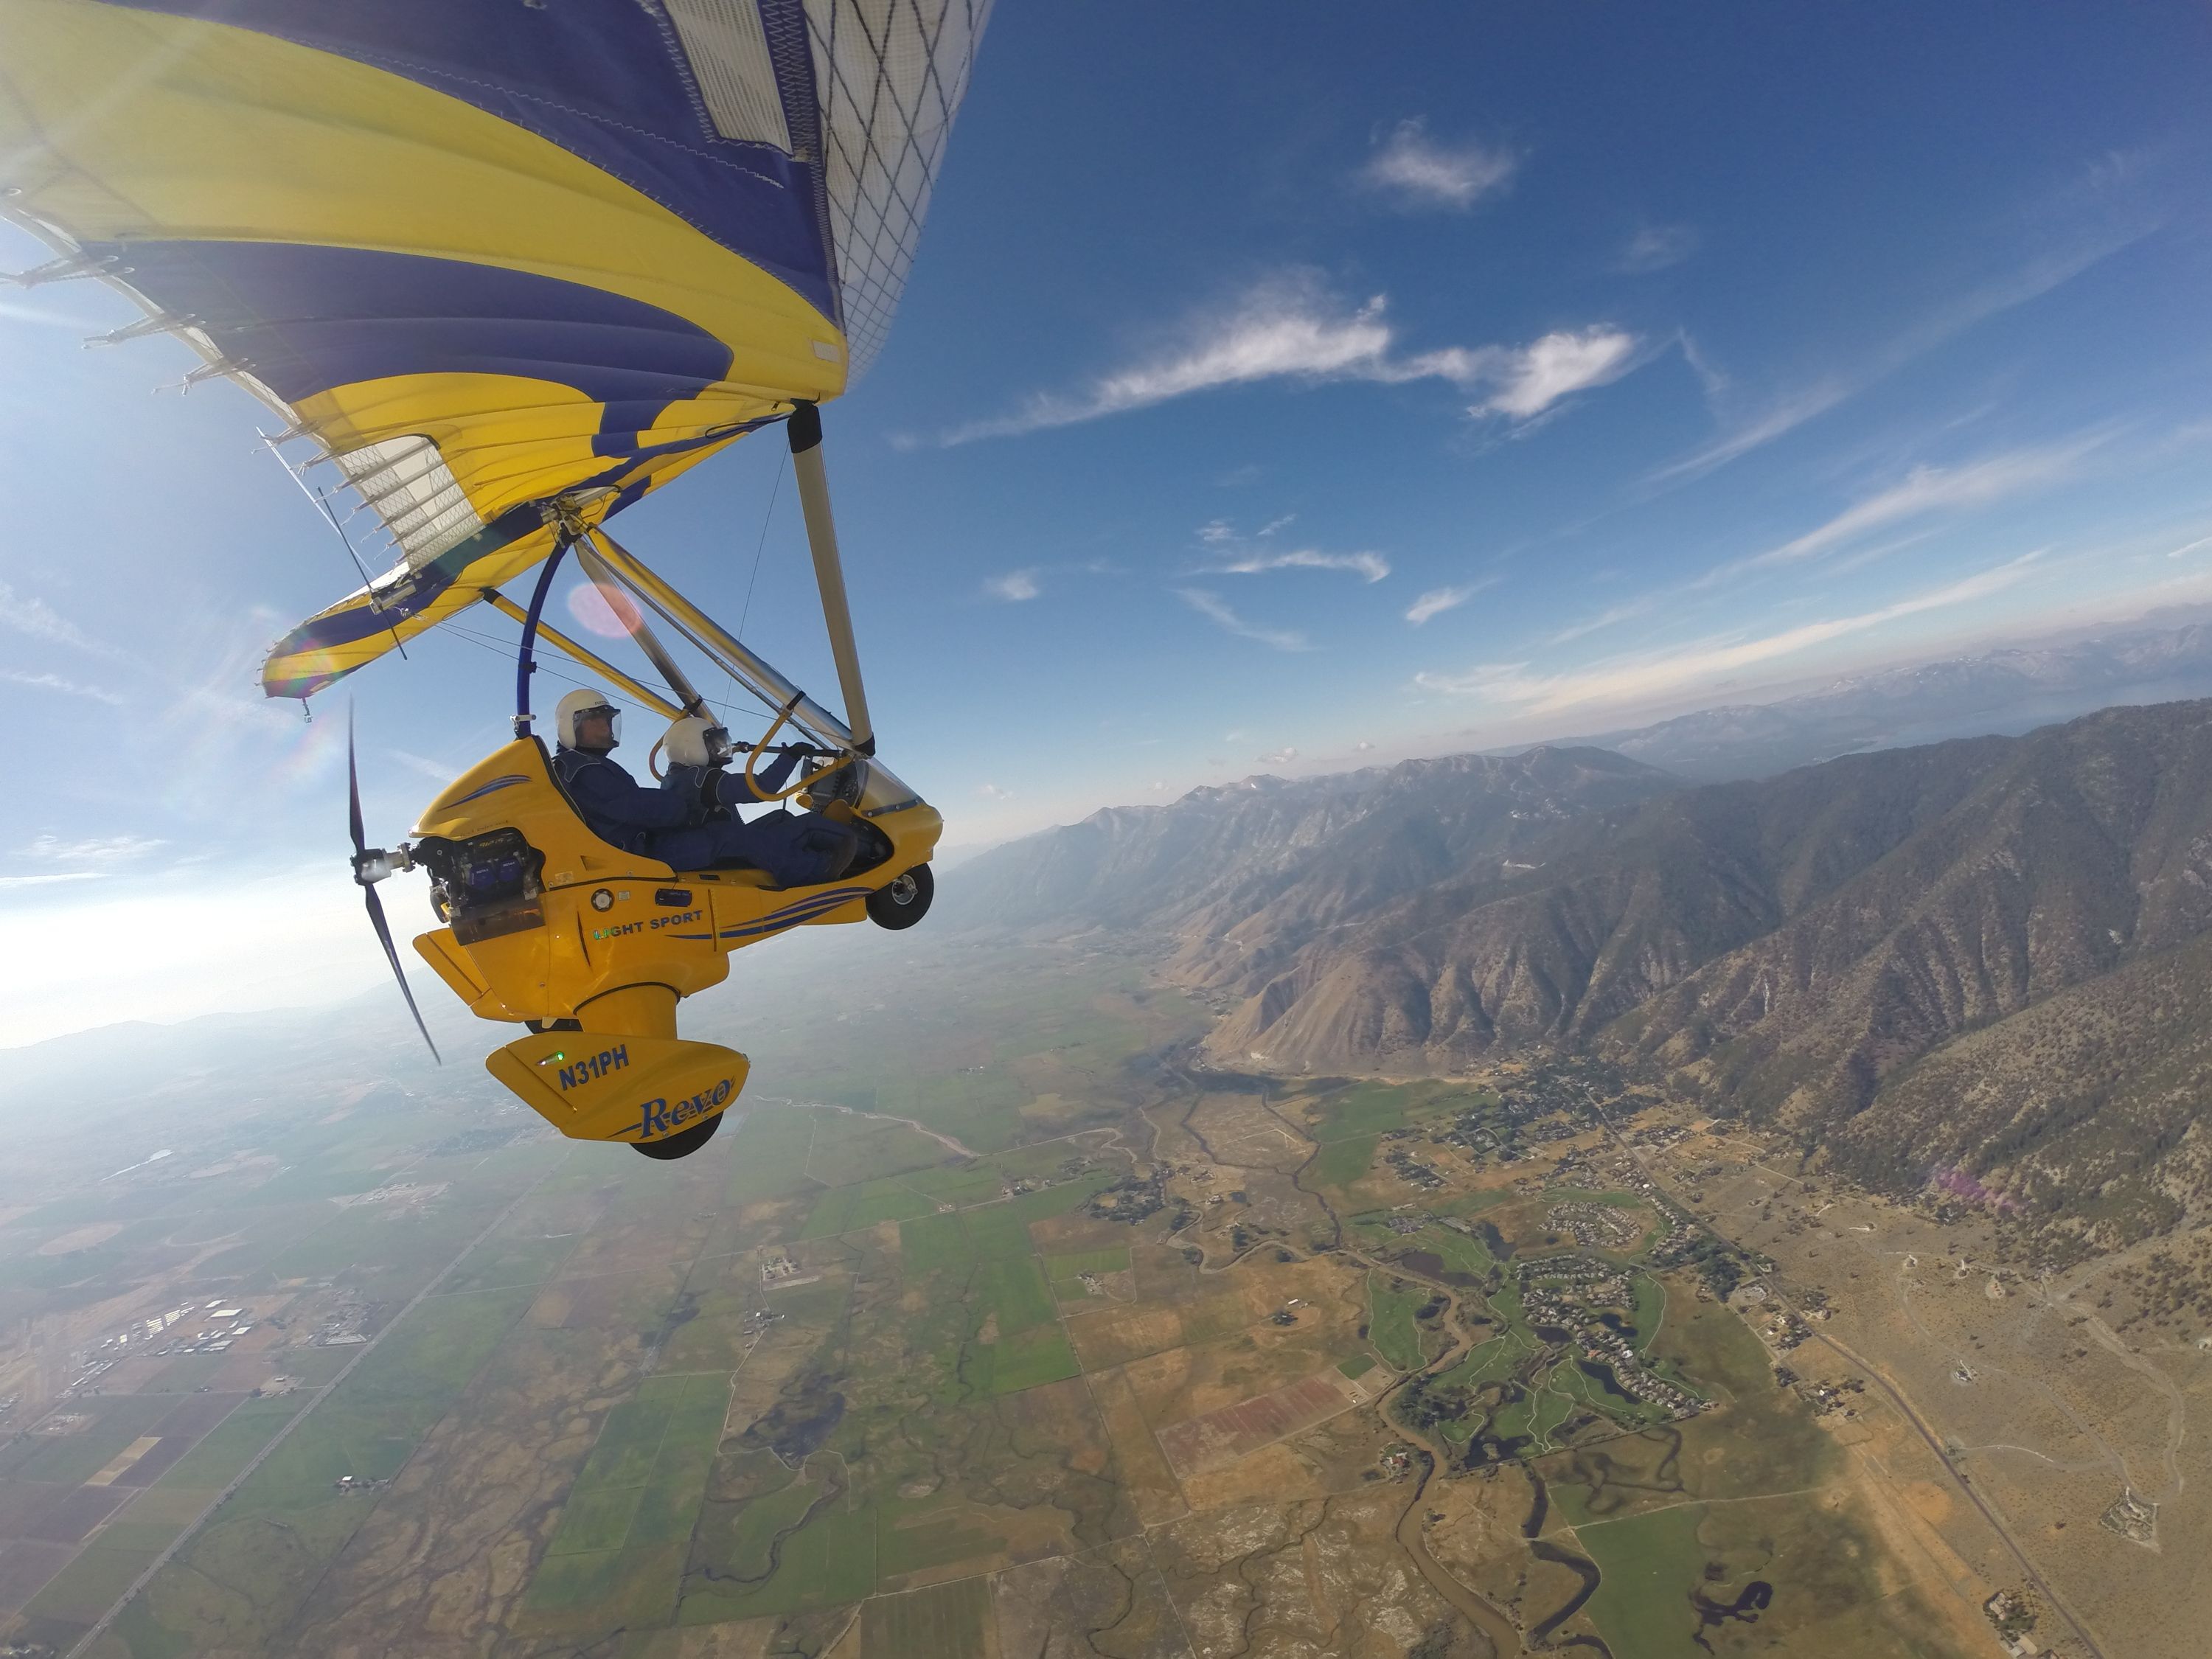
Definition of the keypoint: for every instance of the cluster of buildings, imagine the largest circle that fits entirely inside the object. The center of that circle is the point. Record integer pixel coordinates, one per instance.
(1604, 1225)
(1131, 1199)
(344, 1326)
(1593, 1283)
(778, 1269)
(1406, 1167)
(219, 1324)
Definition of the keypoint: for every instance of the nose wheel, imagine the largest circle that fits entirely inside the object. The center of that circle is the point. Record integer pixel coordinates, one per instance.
(684, 1142)
(903, 901)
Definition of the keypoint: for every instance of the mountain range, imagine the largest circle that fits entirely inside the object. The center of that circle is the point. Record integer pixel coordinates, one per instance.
(1974, 961)
(2007, 691)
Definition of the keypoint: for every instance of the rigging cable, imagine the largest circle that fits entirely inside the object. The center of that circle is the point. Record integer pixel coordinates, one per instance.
(767, 519)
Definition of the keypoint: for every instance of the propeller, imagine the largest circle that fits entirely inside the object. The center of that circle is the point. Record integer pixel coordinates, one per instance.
(370, 866)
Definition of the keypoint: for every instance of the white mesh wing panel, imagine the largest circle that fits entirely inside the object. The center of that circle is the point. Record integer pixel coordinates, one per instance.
(889, 76)
(728, 49)
(407, 484)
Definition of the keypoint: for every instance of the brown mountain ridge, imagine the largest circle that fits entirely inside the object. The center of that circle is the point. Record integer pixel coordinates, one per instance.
(1860, 953)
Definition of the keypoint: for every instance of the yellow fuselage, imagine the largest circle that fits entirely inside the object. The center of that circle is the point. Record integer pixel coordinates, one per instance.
(594, 946)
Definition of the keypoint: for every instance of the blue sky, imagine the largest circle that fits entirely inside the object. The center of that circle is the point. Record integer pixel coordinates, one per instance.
(1278, 387)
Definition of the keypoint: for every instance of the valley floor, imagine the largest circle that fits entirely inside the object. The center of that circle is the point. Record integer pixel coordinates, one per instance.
(994, 1331)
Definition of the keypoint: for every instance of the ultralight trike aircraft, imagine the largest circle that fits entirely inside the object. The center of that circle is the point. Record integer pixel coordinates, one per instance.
(507, 269)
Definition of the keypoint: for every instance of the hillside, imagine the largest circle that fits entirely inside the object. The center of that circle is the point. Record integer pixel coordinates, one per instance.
(2087, 847)
(1309, 850)
(1946, 960)
(2085, 1110)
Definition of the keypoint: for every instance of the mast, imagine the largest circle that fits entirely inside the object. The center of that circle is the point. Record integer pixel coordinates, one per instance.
(805, 429)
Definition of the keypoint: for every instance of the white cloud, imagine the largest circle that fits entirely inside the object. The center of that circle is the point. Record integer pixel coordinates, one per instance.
(1929, 490)
(1291, 329)
(29, 615)
(1438, 600)
(1362, 746)
(1655, 247)
(1628, 679)
(1532, 379)
(1014, 587)
(1422, 173)
(2030, 281)
(48, 881)
(66, 687)
(1215, 531)
(1606, 618)
(1210, 605)
(437, 771)
(992, 792)
(109, 850)
(1274, 525)
(1791, 412)
(1368, 566)
(1282, 756)
(2187, 547)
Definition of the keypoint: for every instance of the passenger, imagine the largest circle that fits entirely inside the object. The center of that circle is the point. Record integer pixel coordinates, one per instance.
(799, 849)
(672, 824)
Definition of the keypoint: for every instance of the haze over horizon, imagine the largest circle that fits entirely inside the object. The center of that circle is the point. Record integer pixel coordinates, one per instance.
(1474, 389)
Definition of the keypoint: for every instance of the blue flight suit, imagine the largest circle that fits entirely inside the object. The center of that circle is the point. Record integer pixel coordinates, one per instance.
(799, 849)
(615, 809)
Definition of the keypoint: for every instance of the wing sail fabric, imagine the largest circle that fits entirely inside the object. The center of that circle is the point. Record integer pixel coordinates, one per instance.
(487, 257)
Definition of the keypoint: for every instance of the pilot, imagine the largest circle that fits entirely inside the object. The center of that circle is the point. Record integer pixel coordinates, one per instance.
(799, 849)
(672, 825)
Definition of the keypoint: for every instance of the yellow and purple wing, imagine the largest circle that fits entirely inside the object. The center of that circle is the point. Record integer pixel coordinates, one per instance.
(489, 255)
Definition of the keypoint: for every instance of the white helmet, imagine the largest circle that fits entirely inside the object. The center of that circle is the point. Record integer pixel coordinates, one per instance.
(695, 740)
(569, 712)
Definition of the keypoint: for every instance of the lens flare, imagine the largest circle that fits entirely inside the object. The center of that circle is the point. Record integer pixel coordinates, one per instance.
(607, 611)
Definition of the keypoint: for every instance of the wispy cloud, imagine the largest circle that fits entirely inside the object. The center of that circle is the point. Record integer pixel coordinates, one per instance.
(1014, 587)
(1928, 489)
(1418, 172)
(2187, 548)
(1655, 247)
(1282, 756)
(1438, 600)
(1923, 492)
(992, 792)
(106, 849)
(1623, 612)
(28, 614)
(1786, 415)
(1629, 680)
(66, 687)
(10, 882)
(440, 772)
(2030, 281)
(1211, 604)
(1368, 566)
(1292, 330)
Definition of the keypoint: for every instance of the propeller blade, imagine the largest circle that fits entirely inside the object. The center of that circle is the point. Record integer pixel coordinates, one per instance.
(390, 955)
(353, 796)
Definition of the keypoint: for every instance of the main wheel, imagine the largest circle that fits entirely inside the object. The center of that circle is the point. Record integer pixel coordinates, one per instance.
(904, 901)
(684, 1142)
